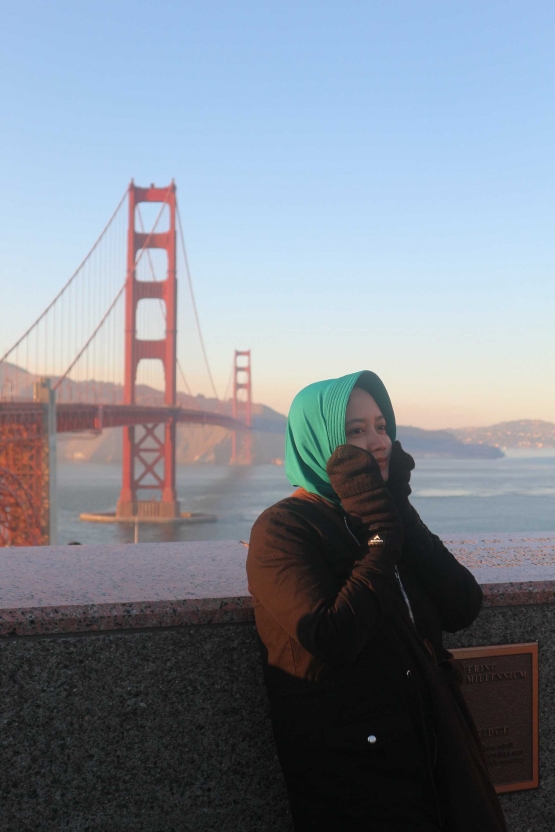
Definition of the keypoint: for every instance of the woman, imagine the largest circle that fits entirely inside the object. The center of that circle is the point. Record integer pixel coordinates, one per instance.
(351, 594)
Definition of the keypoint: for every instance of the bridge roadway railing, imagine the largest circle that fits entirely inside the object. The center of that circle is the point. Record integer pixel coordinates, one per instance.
(131, 691)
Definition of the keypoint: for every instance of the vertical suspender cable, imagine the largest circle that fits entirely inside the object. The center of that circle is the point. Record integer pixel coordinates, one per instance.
(193, 301)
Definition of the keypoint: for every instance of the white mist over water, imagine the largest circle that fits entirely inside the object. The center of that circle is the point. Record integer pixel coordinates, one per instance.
(514, 494)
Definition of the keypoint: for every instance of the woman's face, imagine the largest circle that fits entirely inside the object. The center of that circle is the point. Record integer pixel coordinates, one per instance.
(365, 428)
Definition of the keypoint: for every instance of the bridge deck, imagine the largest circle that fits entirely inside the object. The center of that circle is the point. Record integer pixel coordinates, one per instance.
(73, 418)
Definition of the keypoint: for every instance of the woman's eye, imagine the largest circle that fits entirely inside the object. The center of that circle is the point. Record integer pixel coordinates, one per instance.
(355, 432)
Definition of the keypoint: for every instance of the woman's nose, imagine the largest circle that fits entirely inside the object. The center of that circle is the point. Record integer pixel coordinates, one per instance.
(376, 442)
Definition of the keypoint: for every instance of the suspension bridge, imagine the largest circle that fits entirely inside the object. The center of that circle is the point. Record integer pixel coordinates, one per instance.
(103, 354)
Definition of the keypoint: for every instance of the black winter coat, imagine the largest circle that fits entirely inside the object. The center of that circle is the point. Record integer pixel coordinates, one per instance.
(371, 730)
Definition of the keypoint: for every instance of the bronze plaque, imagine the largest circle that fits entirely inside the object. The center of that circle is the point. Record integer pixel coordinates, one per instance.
(501, 689)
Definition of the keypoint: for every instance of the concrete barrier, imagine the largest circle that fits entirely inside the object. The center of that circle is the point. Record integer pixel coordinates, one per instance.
(132, 697)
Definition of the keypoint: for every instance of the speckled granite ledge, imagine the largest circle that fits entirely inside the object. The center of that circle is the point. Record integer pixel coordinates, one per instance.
(57, 589)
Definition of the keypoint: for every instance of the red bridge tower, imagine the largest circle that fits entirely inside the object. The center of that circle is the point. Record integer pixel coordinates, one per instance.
(149, 450)
(241, 444)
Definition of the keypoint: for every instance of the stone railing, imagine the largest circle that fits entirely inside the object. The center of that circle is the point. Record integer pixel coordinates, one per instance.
(124, 707)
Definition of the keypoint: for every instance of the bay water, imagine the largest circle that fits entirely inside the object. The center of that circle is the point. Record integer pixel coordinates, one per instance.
(512, 494)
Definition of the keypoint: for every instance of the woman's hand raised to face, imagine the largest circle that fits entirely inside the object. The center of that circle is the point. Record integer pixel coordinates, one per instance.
(400, 465)
(356, 478)
(353, 471)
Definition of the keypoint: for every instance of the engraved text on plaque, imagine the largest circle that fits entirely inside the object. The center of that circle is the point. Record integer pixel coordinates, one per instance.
(501, 689)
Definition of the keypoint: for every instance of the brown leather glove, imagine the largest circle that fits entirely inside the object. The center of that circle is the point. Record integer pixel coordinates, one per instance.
(356, 478)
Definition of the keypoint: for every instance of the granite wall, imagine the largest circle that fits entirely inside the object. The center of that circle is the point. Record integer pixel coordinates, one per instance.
(122, 711)
(146, 731)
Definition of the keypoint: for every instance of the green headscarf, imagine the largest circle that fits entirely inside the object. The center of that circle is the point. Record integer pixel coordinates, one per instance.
(316, 426)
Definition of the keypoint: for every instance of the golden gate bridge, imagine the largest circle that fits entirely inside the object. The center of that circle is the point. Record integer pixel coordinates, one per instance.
(103, 354)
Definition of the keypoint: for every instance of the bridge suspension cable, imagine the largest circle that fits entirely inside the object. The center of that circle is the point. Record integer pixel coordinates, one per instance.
(68, 282)
(114, 302)
(194, 303)
(78, 338)
(51, 343)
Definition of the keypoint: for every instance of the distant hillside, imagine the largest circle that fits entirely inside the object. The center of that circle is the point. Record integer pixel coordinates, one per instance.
(442, 443)
(524, 433)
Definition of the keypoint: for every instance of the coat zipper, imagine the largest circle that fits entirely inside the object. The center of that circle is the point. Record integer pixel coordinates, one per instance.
(350, 532)
(399, 581)
(404, 594)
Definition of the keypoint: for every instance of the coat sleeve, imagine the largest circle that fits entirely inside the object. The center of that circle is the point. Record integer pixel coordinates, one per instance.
(289, 577)
(451, 586)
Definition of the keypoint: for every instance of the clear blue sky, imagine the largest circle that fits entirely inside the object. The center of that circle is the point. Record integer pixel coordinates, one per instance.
(363, 184)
